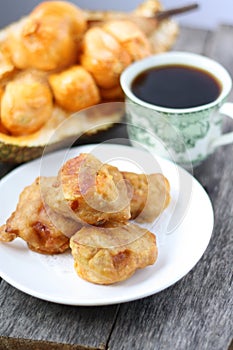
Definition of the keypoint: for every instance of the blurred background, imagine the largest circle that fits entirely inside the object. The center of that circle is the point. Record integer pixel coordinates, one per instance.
(209, 15)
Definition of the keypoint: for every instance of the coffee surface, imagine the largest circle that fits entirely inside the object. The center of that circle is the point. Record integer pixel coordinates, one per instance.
(176, 86)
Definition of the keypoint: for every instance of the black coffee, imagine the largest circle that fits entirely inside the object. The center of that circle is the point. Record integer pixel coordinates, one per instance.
(176, 86)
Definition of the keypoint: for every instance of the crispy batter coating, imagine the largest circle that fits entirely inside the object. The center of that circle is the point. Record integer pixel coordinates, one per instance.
(63, 9)
(90, 190)
(26, 103)
(74, 89)
(147, 10)
(131, 38)
(103, 57)
(1, 94)
(112, 94)
(109, 255)
(3, 130)
(151, 195)
(6, 66)
(39, 227)
(49, 38)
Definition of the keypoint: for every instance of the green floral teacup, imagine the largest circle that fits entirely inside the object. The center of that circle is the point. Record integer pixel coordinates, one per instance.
(185, 135)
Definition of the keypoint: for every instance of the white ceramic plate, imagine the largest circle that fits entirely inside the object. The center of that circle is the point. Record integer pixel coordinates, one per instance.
(183, 232)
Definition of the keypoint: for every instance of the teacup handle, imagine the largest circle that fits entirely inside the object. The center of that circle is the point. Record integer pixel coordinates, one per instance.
(225, 139)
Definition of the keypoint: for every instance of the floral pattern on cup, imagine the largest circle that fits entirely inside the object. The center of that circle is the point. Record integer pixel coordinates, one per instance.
(186, 136)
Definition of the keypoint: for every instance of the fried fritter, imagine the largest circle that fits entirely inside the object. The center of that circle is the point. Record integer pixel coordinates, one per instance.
(6, 66)
(89, 190)
(112, 94)
(40, 227)
(131, 38)
(74, 89)
(112, 254)
(103, 57)
(26, 103)
(49, 38)
(149, 195)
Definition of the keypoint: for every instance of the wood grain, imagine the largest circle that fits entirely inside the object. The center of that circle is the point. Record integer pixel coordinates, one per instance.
(192, 40)
(23, 316)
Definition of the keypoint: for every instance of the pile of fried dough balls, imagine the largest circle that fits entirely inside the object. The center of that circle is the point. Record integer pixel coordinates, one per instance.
(53, 57)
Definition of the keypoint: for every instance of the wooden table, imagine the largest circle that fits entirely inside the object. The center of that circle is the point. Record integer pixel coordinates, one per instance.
(194, 314)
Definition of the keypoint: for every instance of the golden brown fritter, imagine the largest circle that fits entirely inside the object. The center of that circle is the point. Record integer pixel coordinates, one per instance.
(149, 195)
(90, 190)
(103, 57)
(113, 254)
(131, 38)
(112, 94)
(38, 226)
(49, 38)
(26, 103)
(6, 66)
(74, 89)
(63, 9)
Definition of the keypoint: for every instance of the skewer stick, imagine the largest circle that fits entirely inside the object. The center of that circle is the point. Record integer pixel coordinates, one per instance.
(175, 11)
(158, 16)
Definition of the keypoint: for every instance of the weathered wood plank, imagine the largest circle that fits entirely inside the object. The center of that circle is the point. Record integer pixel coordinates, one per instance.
(195, 313)
(221, 49)
(221, 168)
(23, 316)
(192, 40)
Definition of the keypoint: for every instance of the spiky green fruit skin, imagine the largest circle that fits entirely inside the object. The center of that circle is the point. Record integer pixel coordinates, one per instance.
(19, 154)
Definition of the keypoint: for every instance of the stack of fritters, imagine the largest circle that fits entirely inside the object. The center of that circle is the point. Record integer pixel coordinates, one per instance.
(87, 207)
(59, 60)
